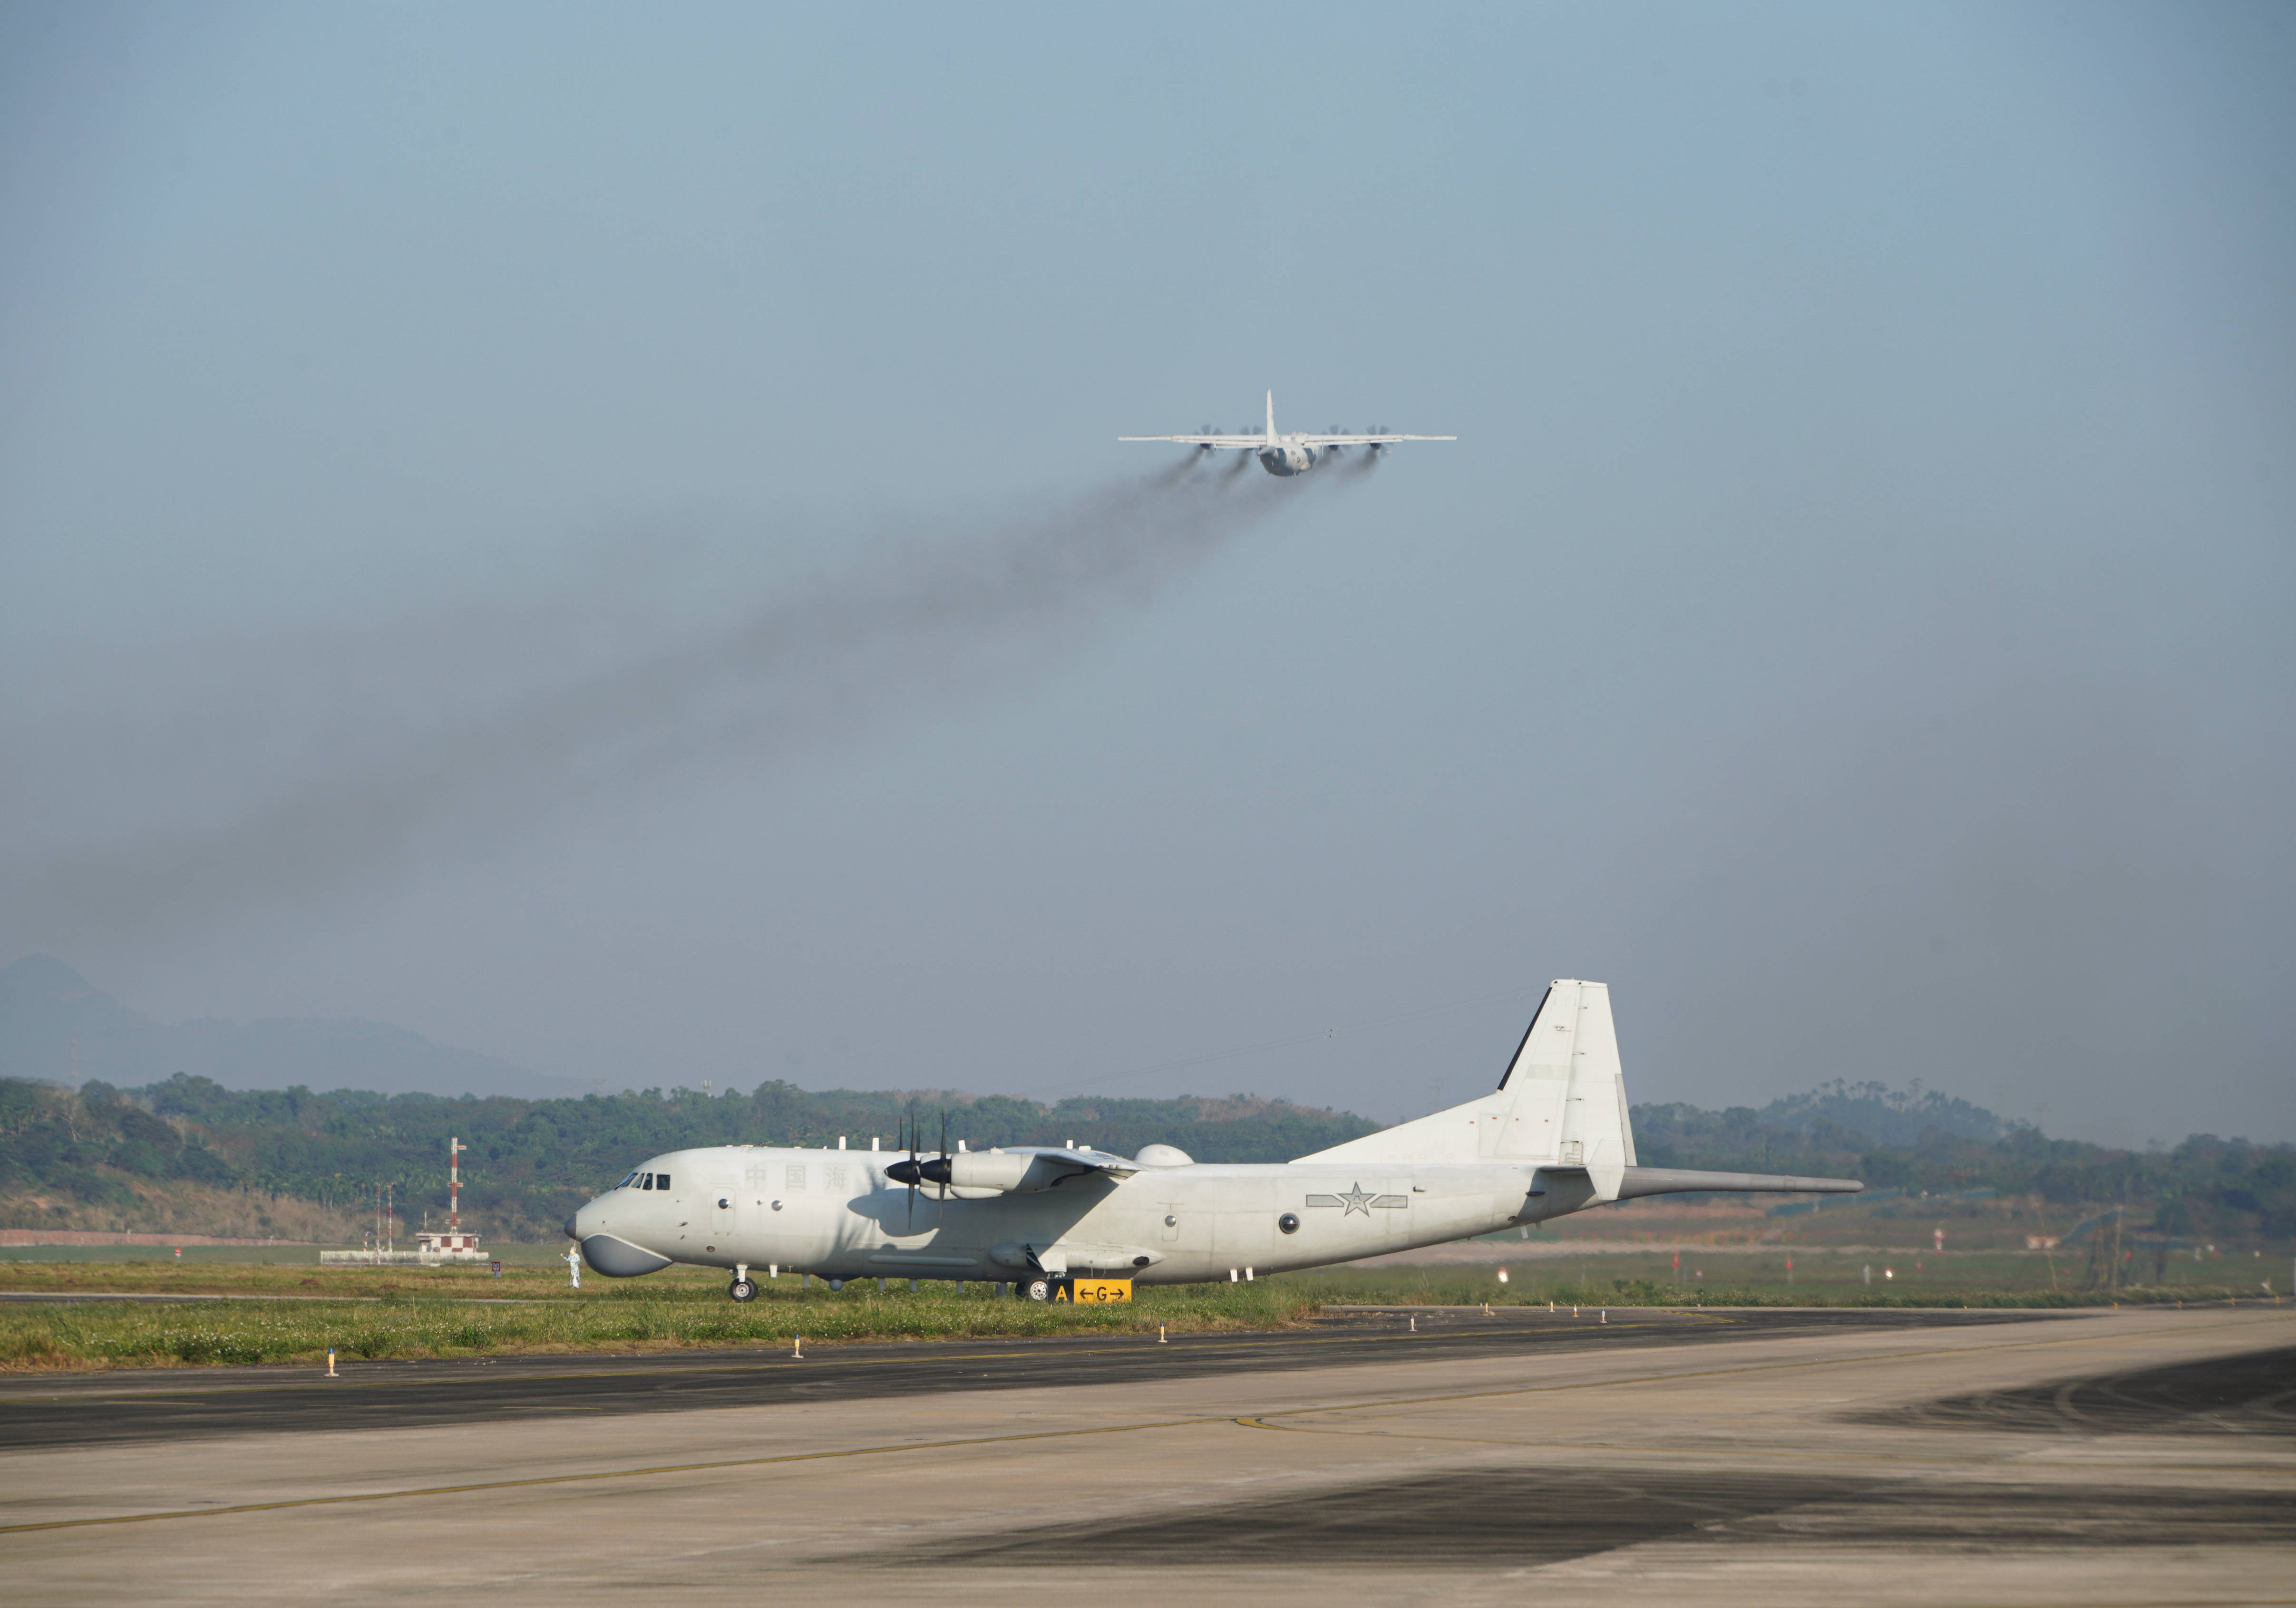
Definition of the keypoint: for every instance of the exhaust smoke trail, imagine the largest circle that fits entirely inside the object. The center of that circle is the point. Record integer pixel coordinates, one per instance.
(919, 621)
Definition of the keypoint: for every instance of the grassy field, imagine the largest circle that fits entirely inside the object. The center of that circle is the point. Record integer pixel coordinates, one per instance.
(393, 1315)
(289, 1312)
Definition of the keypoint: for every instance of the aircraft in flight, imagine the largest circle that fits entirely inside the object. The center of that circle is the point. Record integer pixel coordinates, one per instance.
(1553, 1138)
(1288, 454)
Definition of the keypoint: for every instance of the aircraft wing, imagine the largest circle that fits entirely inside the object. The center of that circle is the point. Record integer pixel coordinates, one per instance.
(1012, 1169)
(1233, 441)
(1077, 1161)
(1362, 440)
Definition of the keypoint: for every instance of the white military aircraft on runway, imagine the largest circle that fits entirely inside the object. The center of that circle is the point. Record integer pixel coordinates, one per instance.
(1287, 454)
(1552, 1138)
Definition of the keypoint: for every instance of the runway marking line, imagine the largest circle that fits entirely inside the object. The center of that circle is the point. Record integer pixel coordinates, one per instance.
(915, 1446)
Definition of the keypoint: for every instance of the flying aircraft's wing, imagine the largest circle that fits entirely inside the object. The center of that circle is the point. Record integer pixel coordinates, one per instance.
(1248, 442)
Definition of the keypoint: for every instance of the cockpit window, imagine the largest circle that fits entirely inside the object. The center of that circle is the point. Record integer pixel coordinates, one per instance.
(626, 1183)
(649, 1182)
(661, 1181)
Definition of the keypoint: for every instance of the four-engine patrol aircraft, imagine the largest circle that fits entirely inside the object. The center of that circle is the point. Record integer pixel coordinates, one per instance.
(1553, 1138)
(1286, 454)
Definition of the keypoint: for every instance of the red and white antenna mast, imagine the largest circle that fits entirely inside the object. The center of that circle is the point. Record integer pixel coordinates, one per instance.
(455, 1149)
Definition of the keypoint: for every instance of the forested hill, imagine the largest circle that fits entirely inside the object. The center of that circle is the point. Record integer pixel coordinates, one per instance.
(131, 1152)
(530, 1161)
(2221, 1189)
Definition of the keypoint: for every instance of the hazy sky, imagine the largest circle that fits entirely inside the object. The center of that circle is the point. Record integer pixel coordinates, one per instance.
(596, 534)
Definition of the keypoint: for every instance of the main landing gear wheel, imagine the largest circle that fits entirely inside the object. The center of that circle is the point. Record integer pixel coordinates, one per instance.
(1037, 1289)
(743, 1289)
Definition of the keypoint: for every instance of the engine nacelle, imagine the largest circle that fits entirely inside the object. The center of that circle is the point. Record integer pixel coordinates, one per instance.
(988, 1169)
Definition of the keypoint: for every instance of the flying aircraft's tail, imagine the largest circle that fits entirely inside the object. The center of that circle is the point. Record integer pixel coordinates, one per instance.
(1561, 1106)
(1271, 418)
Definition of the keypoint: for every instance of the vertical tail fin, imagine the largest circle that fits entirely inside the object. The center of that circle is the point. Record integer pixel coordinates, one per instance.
(1271, 418)
(1562, 1102)
(1566, 1080)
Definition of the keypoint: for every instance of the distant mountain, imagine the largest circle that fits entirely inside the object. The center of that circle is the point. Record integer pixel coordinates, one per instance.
(56, 1027)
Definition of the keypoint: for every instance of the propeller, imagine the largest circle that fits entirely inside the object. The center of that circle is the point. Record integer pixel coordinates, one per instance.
(914, 1172)
(907, 1172)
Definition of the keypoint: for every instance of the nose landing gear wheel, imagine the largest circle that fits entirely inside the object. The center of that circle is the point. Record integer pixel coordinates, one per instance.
(743, 1289)
(1037, 1289)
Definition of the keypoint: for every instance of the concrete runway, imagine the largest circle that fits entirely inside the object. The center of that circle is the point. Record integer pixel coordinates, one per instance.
(1755, 1459)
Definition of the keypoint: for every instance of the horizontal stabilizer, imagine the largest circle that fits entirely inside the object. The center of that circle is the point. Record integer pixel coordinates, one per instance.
(1681, 1180)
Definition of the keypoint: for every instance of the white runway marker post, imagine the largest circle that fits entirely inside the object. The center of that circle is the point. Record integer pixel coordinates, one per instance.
(331, 1364)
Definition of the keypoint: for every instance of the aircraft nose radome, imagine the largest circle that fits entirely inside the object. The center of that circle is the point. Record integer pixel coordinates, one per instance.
(572, 1233)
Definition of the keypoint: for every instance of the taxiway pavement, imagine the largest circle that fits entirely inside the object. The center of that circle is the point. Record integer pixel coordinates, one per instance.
(2106, 1458)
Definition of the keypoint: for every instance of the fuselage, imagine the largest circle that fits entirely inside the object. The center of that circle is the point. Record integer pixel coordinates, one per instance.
(1285, 456)
(835, 1213)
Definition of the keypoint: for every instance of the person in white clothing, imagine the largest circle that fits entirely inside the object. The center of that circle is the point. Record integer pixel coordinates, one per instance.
(574, 1265)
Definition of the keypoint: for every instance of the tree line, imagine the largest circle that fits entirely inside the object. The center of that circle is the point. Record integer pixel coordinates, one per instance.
(2206, 1187)
(530, 1161)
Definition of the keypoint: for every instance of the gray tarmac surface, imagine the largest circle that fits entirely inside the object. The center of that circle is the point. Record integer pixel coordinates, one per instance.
(174, 1403)
(1771, 1458)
